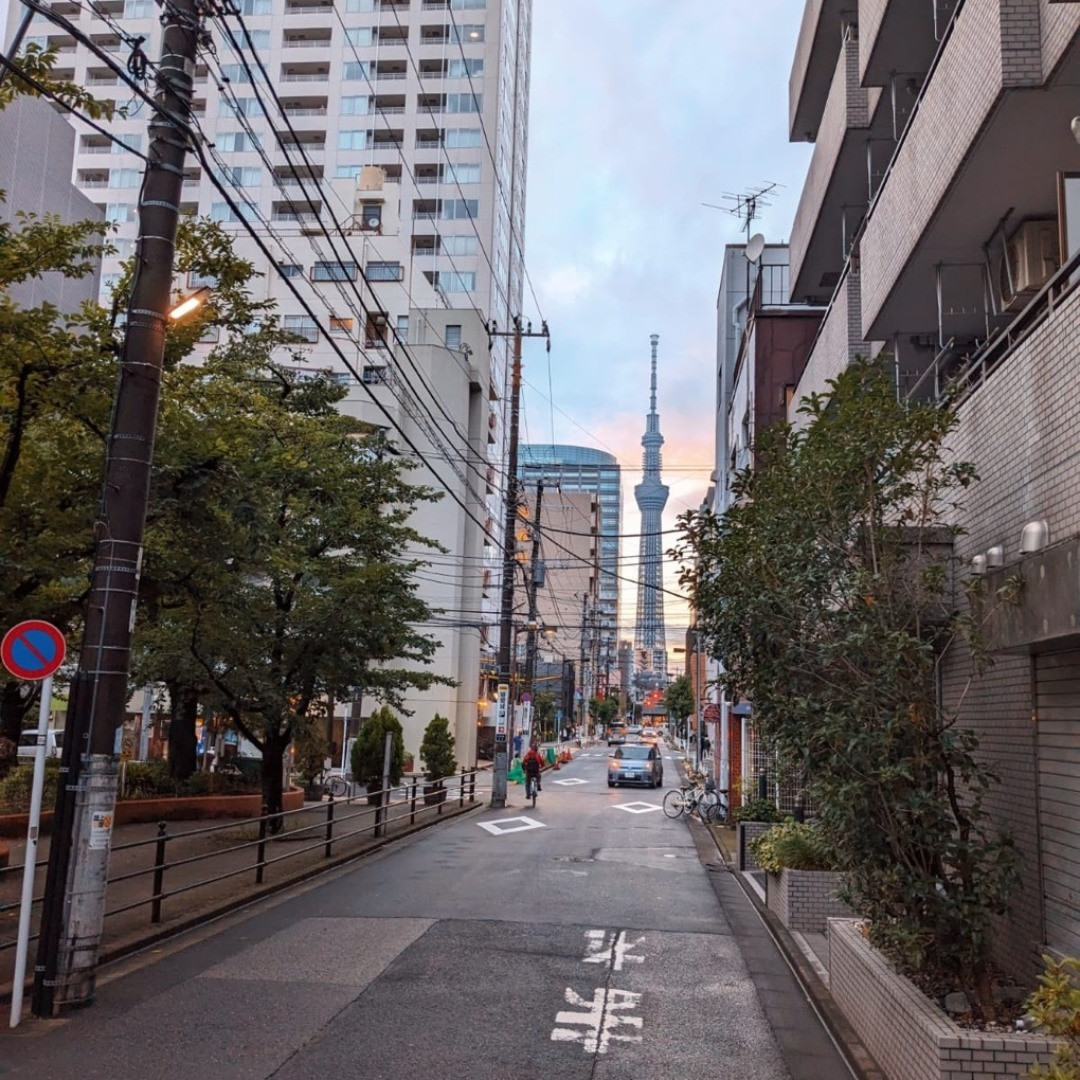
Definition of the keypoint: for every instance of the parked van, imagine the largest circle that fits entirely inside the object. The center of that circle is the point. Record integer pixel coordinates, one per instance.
(28, 741)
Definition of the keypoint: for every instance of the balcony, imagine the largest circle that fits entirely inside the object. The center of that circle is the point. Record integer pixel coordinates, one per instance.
(311, 72)
(980, 154)
(306, 39)
(816, 55)
(295, 107)
(390, 69)
(837, 192)
(898, 36)
(434, 35)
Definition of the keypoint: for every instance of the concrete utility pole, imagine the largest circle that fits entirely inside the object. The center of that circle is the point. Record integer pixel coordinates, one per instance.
(74, 906)
(506, 614)
(534, 615)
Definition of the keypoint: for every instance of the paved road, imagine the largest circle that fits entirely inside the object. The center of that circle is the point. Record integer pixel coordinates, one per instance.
(582, 939)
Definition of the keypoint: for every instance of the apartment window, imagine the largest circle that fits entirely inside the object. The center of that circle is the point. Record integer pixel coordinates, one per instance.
(119, 212)
(333, 271)
(348, 172)
(138, 9)
(355, 69)
(402, 328)
(468, 5)
(241, 175)
(454, 281)
(351, 140)
(244, 107)
(370, 216)
(453, 337)
(237, 73)
(131, 142)
(384, 271)
(462, 174)
(290, 270)
(357, 105)
(459, 208)
(464, 103)
(199, 281)
(221, 211)
(465, 35)
(373, 374)
(231, 141)
(462, 138)
(459, 245)
(255, 7)
(459, 69)
(125, 178)
(303, 326)
(358, 35)
(359, 5)
(341, 326)
(260, 39)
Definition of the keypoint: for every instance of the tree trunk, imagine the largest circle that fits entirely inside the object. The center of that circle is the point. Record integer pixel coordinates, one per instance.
(273, 776)
(14, 706)
(185, 710)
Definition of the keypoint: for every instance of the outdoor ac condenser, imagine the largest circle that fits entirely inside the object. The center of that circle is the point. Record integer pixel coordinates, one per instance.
(1031, 258)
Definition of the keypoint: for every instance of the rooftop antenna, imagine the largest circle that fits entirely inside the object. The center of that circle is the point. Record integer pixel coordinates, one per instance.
(746, 205)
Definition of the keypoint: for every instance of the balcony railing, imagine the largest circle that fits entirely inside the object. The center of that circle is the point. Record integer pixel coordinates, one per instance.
(307, 43)
(315, 110)
(306, 76)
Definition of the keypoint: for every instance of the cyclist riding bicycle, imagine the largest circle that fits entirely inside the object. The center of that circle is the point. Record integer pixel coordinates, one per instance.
(532, 763)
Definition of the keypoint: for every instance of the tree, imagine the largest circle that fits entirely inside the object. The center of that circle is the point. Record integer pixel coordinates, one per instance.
(679, 702)
(603, 710)
(369, 752)
(437, 749)
(544, 712)
(821, 593)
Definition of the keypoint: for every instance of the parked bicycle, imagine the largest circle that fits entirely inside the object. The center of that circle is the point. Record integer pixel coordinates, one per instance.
(335, 785)
(702, 799)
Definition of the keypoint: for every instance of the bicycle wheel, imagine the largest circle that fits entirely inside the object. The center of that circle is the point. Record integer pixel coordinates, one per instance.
(532, 790)
(336, 787)
(674, 803)
(708, 805)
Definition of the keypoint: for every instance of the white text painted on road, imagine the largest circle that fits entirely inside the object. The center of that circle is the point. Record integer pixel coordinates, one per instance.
(594, 1027)
(611, 949)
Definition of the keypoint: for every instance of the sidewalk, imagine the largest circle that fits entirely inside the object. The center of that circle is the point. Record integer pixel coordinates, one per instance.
(211, 868)
(807, 954)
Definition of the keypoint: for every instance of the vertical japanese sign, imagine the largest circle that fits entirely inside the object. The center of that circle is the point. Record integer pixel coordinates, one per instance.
(502, 712)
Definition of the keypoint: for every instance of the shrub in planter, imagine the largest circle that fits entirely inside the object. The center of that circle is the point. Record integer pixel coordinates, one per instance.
(1055, 1008)
(437, 753)
(792, 844)
(369, 749)
(15, 787)
(757, 810)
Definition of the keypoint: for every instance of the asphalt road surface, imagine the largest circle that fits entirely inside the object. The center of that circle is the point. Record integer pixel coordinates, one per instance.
(585, 938)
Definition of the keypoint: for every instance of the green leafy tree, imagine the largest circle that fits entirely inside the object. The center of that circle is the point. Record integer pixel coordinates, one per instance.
(679, 702)
(603, 710)
(369, 750)
(437, 749)
(820, 591)
(544, 712)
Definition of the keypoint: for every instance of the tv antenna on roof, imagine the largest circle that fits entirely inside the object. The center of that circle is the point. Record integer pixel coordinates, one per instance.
(746, 205)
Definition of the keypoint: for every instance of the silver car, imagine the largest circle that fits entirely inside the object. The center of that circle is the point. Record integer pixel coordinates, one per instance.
(636, 763)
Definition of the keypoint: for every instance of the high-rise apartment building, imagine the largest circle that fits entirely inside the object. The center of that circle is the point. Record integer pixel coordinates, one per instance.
(940, 223)
(377, 149)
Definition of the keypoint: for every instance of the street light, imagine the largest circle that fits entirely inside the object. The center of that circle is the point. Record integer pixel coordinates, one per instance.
(191, 302)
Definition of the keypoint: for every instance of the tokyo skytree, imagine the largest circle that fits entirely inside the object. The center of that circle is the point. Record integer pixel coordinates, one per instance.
(650, 646)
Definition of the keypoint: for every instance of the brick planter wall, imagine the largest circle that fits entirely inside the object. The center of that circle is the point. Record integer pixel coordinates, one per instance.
(747, 831)
(909, 1037)
(805, 899)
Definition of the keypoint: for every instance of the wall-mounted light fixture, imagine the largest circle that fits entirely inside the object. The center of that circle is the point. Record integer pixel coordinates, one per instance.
(978, 565)
(995, 557)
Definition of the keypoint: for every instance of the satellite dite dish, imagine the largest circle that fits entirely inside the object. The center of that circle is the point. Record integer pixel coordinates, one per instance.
(754, 247)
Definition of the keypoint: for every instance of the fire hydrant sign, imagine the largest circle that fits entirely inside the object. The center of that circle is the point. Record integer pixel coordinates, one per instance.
(33, 649)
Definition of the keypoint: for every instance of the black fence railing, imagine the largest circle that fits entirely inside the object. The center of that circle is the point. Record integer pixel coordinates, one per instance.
(178, 862)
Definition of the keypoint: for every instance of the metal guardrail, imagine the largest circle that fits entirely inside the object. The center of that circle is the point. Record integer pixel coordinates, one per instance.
(340, 820)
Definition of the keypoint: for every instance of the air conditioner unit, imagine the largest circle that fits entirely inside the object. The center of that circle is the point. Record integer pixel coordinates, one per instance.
(1029, 261)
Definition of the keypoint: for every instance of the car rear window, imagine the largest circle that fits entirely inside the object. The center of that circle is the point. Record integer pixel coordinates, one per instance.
(634, 753)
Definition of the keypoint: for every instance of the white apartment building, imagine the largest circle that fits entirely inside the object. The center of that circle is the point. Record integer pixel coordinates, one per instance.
(940, 221)
(387, 181)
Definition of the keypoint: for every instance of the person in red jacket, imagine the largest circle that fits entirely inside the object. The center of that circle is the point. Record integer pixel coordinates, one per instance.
(532, 763)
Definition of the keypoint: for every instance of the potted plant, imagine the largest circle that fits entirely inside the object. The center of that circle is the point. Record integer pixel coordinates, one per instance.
(437, 753)
(369, 752)
(310, 748)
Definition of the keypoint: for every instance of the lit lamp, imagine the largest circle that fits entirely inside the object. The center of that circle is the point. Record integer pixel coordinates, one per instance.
(191, 303)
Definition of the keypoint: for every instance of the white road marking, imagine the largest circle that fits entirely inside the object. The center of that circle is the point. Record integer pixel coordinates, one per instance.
(511, 825)
(636, 807)
(598, 1019)
(570, 782)
(612, 950)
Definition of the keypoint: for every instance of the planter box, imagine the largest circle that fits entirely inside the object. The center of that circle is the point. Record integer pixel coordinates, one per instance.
(909, 1037)
(805, 899)
(747, 831)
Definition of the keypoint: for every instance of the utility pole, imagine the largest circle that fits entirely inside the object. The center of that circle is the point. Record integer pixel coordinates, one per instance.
(584, 681)
(74, 905)
(506, 614)
(534, 581)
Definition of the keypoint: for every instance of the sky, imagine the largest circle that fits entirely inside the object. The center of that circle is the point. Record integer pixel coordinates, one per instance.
(640, 113)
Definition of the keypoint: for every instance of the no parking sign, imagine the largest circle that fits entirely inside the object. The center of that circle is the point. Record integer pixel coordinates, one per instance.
(33, 649)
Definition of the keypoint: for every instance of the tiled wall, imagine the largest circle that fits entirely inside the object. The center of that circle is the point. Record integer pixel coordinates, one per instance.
(805, 899)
